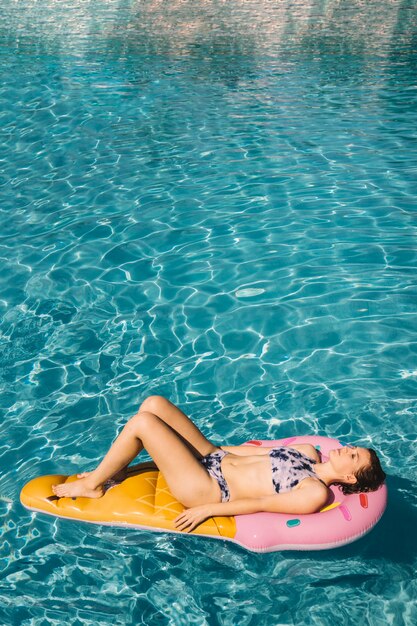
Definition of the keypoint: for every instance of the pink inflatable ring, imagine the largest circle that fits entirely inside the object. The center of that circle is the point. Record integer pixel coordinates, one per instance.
(343, 520)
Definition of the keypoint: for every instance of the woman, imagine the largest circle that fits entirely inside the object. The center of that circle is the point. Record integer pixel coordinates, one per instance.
(231, 480)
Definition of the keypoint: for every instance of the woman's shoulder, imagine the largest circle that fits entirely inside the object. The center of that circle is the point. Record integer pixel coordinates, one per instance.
(314, 489)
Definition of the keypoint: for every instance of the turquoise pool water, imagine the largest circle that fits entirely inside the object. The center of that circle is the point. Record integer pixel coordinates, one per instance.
(215, 202)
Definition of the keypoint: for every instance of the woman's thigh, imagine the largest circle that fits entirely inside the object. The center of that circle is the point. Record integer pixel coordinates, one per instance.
(187, 479)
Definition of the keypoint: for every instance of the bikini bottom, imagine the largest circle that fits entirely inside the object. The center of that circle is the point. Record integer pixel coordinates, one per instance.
(212, 463)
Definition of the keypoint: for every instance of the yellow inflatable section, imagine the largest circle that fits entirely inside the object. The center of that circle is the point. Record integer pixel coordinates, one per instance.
(142, 500)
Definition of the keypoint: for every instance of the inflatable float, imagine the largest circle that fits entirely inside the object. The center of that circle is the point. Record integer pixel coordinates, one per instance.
(144, 501)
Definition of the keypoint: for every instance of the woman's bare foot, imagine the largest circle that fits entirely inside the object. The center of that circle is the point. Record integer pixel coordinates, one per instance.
(77, 488)
(118, 478)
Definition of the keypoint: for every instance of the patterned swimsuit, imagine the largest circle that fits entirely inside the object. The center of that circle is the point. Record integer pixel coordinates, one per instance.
(212, 463)
(289, 467)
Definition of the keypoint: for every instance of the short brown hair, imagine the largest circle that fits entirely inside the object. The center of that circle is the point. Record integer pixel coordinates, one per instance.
(368, 478)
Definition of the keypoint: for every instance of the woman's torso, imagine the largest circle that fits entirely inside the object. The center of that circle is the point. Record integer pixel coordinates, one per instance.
(252, 476)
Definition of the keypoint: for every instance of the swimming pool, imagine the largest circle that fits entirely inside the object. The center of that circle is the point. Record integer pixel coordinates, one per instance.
(214, 202)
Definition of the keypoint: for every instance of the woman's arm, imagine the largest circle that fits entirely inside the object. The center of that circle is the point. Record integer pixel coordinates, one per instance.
(249, 450)
(246, 450)
(308, 499)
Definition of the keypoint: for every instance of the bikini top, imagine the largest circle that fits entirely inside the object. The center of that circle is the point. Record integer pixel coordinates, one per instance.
(290, 467)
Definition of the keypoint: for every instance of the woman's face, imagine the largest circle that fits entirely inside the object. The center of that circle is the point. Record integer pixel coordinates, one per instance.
(348, 460)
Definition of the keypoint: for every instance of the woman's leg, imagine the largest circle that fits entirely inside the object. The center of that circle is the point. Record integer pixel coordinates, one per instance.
(187, 479)
(178, 421)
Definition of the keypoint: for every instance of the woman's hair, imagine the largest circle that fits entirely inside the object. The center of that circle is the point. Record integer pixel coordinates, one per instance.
(368, 478)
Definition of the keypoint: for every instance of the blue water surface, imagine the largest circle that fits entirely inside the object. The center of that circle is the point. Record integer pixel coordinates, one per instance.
(213, 201)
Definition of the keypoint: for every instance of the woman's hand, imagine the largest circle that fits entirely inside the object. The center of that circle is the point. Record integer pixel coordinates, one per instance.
(190, 518)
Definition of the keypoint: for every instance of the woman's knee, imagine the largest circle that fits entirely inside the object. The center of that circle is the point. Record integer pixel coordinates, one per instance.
(143, 422)
(152, 404)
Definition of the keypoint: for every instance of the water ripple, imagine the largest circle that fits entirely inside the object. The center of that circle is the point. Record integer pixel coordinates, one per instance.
(218, 206)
